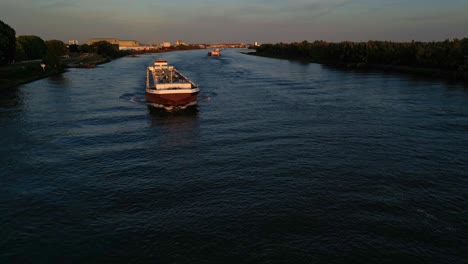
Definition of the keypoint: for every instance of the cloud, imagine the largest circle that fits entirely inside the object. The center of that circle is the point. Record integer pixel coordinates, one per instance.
(319, 9)
(56, 5)
(273, 13)
(214, 20)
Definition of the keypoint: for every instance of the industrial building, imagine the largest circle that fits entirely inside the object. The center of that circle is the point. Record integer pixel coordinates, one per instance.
(121, 43)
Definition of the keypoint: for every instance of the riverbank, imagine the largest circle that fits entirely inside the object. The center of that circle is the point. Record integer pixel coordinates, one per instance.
(17, 74)
(86, 60)
(425, 72)
(24, 72)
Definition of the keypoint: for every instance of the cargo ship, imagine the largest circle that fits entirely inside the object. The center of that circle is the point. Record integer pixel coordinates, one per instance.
(167, 88)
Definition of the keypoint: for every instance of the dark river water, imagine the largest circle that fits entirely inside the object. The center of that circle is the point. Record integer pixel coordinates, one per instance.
(282, 162)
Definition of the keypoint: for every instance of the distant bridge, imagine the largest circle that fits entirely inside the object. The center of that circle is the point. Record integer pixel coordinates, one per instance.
(228, 45)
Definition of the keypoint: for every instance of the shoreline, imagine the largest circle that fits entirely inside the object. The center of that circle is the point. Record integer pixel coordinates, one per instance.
(32, 76)
(385, 68)
(29, 72)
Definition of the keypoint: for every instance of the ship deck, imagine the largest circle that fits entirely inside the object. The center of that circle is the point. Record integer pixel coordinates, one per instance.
(164, 76)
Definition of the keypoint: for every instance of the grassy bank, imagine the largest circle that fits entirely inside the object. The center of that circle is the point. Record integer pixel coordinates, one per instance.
(85, 60)
(24, 72)
(17, 74)
(20, 73)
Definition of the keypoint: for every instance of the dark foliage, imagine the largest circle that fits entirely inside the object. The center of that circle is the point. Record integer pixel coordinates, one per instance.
(106, 49)
(55, 49)
(74, 48)
(20, 54)
(33, 46)
(7, 43)
(85, 48)
(450, 55)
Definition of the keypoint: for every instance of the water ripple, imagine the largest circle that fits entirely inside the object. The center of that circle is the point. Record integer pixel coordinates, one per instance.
(280, 162)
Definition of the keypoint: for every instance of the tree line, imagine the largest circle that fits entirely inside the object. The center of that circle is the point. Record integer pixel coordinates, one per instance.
(30, 47)
(450, 55)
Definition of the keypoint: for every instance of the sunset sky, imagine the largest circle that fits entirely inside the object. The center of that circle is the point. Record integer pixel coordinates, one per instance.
(215, 21)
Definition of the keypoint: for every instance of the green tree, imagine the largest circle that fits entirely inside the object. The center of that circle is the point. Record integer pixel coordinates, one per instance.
(7, 43)
(34, 47)
(106, 49)
(464, 46)
(85, 48)
(449, 55)
(20, 54)
(74, 48)
(55, 49)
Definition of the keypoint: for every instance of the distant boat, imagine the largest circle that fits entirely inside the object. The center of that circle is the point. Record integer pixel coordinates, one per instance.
(214, 53)
(167, 88)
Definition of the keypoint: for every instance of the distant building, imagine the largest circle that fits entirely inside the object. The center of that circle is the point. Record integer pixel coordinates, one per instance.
(166, 44)
(180, 43)
(73, 42)
(121, 43)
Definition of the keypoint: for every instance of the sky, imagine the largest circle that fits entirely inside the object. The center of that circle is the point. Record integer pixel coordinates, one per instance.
(236, 21)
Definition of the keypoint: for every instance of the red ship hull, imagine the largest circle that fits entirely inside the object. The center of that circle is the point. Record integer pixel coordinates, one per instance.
(174, 99)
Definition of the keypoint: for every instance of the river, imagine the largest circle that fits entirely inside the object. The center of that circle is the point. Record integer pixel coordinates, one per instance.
(282, 162)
